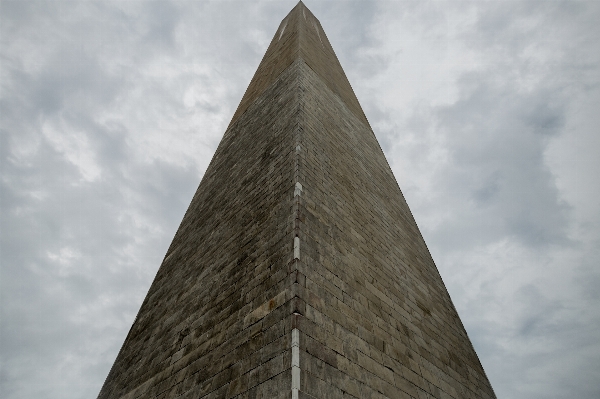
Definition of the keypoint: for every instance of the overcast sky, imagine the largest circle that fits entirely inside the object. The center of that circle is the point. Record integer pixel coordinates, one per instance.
(488, 113)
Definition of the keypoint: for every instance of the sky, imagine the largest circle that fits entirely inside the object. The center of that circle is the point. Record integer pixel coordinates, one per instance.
(487, 112)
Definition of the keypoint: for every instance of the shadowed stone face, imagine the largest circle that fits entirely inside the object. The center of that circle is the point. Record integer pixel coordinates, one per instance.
(298, 270)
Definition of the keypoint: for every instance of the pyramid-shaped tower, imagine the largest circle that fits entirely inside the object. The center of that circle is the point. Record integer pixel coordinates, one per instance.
(298, 270)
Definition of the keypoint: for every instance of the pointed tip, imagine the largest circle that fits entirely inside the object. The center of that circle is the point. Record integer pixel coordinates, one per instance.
(301, 4)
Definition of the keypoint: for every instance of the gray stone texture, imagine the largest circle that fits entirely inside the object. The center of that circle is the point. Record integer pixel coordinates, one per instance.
(338, 257)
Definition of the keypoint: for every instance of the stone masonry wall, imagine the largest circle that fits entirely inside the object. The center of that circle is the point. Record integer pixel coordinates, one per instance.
(217, 319)
(378, 320)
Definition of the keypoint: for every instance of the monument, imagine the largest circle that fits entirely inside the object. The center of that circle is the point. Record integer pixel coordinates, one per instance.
(298, 270)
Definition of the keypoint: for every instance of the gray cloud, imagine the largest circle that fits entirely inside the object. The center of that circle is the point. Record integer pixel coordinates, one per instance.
(474, 142)
(111, 112)
(496, 140)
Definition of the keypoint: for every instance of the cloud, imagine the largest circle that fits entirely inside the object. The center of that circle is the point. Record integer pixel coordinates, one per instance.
(496, 141)
(482, 112)
(111, 111)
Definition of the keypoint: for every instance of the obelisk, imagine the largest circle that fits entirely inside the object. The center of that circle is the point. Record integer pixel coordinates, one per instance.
(298, 270)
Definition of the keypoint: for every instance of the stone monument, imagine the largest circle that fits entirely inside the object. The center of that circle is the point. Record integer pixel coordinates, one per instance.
(298, 270)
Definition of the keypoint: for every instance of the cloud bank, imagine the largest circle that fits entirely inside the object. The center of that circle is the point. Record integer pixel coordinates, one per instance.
(486, 111)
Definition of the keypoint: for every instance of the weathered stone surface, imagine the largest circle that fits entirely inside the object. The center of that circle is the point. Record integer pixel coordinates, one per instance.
(298, 270)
